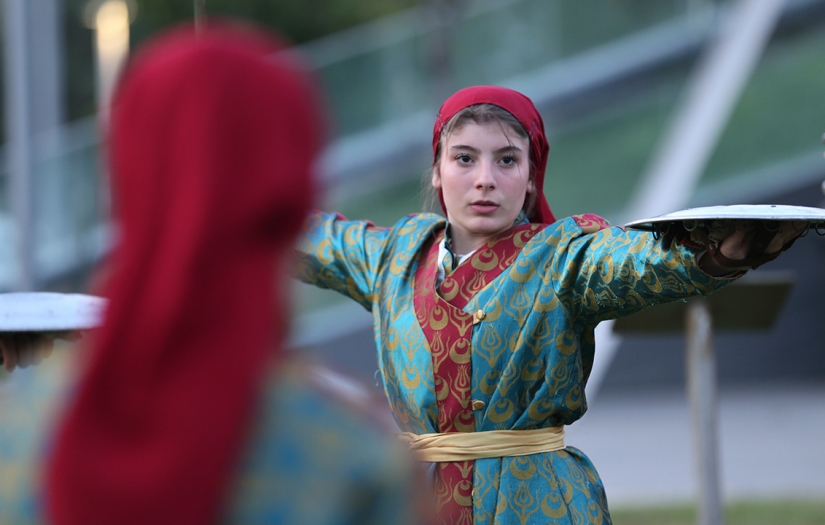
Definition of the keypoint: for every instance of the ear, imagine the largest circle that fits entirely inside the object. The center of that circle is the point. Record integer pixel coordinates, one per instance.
(531, 186)
(436, 178)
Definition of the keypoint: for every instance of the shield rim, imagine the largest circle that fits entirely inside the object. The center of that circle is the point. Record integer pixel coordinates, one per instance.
(49, 311)
(738, 212)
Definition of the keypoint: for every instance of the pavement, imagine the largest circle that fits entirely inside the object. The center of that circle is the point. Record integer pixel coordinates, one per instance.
(770, 444)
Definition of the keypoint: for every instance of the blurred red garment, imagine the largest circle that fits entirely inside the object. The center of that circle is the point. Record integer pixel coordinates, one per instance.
(212, 142)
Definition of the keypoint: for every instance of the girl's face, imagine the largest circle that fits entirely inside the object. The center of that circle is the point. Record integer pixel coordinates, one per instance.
(484, 177)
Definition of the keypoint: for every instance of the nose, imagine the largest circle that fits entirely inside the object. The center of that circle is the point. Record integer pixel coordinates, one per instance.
(485, 177)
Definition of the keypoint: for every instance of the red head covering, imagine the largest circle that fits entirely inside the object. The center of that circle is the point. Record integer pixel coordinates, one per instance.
(525, 112)
(212, 142)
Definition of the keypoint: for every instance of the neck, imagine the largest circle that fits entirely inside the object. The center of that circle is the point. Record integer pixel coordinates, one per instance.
(463, 244)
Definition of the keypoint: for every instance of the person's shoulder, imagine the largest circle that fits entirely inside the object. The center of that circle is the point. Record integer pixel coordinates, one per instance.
(420, 221)
(410, 231)
(590, 222)
(565, 231)
(584, 223)
(576, 226)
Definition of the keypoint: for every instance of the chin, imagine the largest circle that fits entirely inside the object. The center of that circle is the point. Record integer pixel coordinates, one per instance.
(489, 227)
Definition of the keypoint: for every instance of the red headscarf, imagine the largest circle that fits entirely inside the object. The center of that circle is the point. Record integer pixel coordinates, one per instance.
(525, 112)
(212, 142)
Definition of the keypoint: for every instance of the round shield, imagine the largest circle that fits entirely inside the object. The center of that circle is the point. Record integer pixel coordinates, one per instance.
(768, 215)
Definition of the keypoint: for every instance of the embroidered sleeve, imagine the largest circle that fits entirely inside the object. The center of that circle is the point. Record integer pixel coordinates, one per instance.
(612, 272)
(345, 256)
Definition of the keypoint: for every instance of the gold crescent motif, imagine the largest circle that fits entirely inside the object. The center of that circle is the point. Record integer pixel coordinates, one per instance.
(463, 493)
(325, 252)
(438, 319)
(399, 263)
(522, 468)
(557, 511)
(500, 411)
(606, 270)
(541, 409)
(461, 351)
(410, 377)
(520, 239)
(567, 342)
(489, 382)
(547, 300)
(523, 271)
(533, 370)
(573, 400)
(639, 245)
(442, 389)
(484, 260)
(460, 424)
(449, 289)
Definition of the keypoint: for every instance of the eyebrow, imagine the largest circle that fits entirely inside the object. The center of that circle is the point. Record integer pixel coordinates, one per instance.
(505, 149)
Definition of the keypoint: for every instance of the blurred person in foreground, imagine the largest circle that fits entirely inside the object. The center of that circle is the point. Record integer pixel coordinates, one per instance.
(187, 409)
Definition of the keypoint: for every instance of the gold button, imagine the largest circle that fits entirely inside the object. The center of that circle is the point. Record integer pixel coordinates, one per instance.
(478, 404)
(479, 316)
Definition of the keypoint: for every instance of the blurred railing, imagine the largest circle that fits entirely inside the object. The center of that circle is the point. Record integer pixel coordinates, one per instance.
(384, 81)
(398, 66)
(69, 220)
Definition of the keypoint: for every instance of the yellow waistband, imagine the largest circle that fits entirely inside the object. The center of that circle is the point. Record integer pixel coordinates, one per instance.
(467, 446)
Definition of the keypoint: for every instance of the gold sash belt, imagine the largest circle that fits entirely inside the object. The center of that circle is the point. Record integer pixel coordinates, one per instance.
(467, 446)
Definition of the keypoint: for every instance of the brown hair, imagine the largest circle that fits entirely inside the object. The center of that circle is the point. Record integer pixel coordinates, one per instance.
(477, 114)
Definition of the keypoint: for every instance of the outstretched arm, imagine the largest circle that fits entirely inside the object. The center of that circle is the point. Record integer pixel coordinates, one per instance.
(341, 255)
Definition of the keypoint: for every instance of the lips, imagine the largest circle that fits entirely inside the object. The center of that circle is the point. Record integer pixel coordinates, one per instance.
(484, 207)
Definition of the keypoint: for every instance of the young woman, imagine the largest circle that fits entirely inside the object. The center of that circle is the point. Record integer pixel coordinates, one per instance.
(484, 322)
(187, 409)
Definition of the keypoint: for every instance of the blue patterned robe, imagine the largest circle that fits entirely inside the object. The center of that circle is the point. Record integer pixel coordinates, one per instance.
(530, 357)
(311, 458)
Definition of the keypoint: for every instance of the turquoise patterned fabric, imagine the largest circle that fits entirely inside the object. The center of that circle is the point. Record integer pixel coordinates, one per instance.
(311, 459)
(315, 458)
(29, 403)
(531, 355)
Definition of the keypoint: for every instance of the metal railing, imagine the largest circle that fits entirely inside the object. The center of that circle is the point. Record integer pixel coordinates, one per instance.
(69, 225)
(393, 68)
(384, 81)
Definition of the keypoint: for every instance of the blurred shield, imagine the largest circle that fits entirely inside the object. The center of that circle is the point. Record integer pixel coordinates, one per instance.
(49, 312)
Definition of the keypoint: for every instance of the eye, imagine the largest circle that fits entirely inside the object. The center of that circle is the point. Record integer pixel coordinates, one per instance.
(509, 160)
(463, 158)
